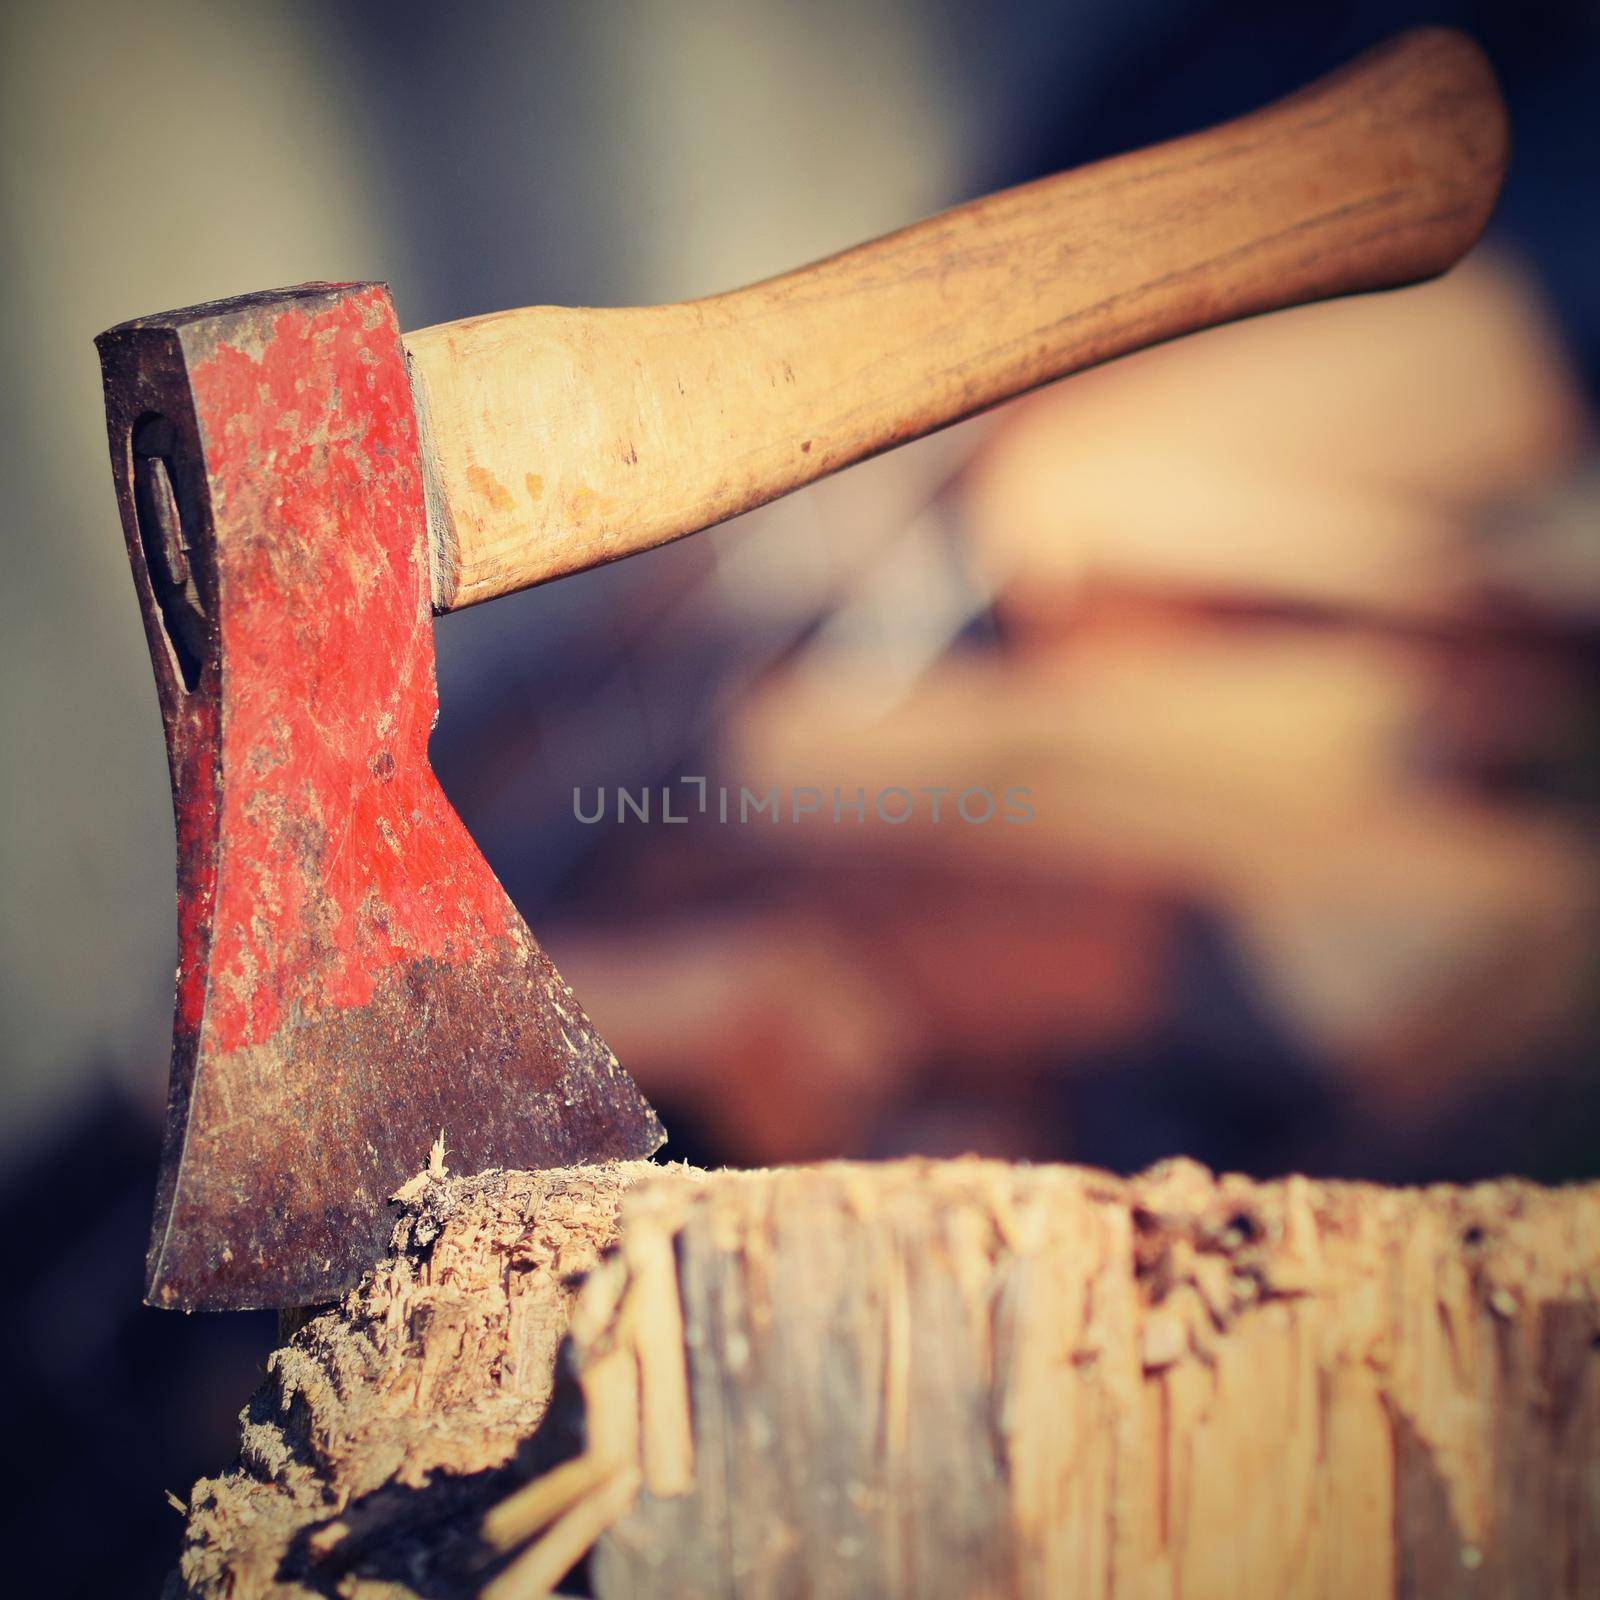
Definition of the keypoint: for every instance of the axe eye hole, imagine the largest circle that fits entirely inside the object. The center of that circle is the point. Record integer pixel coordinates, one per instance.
(168, 550)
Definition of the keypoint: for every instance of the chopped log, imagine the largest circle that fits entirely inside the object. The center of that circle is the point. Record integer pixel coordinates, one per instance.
(955, 1378)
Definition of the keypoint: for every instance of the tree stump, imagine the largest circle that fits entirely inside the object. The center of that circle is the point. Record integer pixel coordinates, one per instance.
(934, 1378)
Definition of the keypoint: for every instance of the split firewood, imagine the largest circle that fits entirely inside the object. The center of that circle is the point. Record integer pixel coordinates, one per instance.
(923, 1379)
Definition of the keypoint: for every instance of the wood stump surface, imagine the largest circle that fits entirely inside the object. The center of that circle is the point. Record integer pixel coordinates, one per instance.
(933, 1378)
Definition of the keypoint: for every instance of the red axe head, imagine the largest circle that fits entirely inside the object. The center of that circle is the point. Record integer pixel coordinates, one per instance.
(351, 977)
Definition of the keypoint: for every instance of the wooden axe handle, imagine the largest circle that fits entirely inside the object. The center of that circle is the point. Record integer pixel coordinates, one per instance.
(558, 439)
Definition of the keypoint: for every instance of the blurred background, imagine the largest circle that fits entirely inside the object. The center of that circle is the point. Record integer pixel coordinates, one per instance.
(1290, 630)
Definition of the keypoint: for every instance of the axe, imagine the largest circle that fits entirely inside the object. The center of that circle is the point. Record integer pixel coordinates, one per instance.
(303, 488)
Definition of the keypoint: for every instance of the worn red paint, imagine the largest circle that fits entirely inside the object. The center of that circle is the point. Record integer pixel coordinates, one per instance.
(351, 975)
(340, 846)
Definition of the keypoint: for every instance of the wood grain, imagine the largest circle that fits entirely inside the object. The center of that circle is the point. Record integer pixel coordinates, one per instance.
(558, 439)
(934, 1378)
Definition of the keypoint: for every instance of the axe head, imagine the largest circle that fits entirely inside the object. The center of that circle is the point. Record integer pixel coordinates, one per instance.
(351, 977)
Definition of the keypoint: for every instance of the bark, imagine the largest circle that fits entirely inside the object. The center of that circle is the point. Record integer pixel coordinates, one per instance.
(956, 1378)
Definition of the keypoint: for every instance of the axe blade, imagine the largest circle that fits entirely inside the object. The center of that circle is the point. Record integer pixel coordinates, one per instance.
(352, 979)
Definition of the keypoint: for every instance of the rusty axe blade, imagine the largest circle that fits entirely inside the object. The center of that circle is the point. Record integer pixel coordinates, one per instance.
(351, 977)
